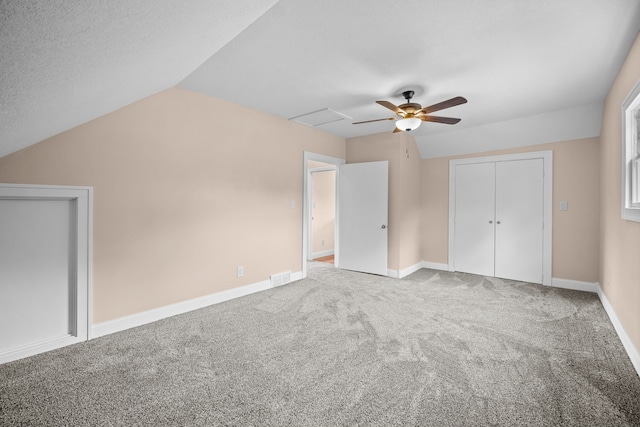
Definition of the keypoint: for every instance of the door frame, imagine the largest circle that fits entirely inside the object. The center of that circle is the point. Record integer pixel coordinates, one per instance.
(547, 235)
(306, 197)
(81, 272)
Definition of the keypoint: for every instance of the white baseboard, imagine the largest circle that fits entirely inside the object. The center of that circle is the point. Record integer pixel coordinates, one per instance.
(409, 270)
(435, 266)
(575, 285)
(320, 254)
(139, 319)
(632, 351)
(37, 348)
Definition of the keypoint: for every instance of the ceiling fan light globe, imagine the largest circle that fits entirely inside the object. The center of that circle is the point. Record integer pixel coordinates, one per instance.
(408, 124)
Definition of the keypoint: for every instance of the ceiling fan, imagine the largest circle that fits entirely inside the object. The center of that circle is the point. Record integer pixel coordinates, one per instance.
(411, 115)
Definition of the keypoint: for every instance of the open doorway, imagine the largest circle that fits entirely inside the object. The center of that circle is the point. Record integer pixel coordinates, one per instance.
(322, 210)
(320, 225)
(361, 214)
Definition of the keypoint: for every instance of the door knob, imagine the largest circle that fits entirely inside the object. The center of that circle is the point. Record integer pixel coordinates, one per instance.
(384, 226)
(497, 222)
(490, 222)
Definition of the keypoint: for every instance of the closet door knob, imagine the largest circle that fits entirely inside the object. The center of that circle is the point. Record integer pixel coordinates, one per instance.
(497, 222)
(490, 222)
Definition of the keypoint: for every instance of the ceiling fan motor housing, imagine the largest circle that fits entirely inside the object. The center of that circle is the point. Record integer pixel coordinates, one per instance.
(410, 107)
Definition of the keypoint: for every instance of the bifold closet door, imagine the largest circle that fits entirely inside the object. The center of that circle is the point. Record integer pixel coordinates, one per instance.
(474, 218)
(519, 220)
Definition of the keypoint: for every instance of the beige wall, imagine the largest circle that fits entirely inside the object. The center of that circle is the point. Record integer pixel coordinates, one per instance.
(323, 210)
(410, 203)
(182, 196)
(575, 232)
(620, 239)
(404, 190)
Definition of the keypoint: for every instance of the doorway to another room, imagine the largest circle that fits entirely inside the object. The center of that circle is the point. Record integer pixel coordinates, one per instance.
(358, 216)
(320, 209)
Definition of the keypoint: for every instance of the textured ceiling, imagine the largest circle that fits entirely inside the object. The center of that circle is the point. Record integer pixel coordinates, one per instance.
(65, 62)
(533, 65)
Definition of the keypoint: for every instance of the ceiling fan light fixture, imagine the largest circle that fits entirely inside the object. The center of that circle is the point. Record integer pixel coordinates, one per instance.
(408, 124)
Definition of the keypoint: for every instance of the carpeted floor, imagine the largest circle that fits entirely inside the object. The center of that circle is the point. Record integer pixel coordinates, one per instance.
(345, 349)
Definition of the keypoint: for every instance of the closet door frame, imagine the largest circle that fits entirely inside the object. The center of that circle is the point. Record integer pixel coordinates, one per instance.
(547, 158)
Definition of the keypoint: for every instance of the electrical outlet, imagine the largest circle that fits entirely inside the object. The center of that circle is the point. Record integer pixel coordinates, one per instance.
(564, 206)
(240, 271)
(323, 243)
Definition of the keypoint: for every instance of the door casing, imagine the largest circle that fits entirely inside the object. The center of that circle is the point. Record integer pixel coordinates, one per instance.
(306, 202)
(80, 272)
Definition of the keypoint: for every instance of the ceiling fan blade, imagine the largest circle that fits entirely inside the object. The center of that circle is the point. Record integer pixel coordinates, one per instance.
(376, 120)
(436, 119)
(395, 129)
(392, 107)
(442, 105)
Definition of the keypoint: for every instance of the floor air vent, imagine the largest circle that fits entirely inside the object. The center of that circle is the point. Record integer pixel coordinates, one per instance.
(280, 279)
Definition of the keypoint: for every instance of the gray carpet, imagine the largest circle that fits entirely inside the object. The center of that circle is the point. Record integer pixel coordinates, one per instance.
(345, 349)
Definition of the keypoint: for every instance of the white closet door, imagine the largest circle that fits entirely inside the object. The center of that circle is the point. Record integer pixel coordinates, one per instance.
(519, 220)
(44, 268)
(474, 218)
(36, 255)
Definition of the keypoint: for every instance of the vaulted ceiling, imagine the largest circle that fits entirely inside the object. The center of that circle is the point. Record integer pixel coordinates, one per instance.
(532, 71)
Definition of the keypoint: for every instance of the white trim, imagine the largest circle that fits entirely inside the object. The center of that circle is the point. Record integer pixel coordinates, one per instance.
(323, 169)
(40, 347)
(89, 260)
(149, 316)
(81, 265)
(435, 266)
(306, 211)
(392, 273)
(628, 142)
(633, 353)
(321, 254)
(405, 271)
(410, 270)
(547, 157)
(575, 285)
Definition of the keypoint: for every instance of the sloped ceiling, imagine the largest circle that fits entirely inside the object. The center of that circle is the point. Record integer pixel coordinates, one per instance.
(65, 62)
(531, 70)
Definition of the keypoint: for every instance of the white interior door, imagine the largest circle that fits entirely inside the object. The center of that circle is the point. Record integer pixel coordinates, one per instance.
(362, 216)
(474, 218)
(44, 268)
(519, 220)
(35, 258)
